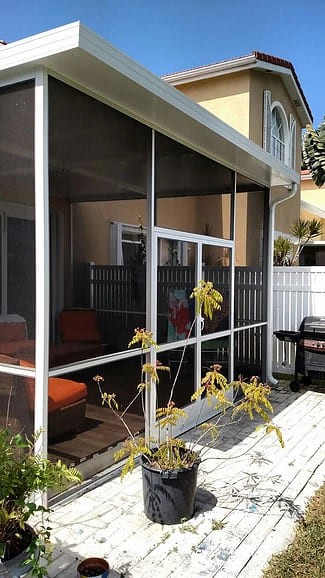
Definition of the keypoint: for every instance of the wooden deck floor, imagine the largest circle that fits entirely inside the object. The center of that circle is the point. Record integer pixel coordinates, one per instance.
(102, 429)
(248, 486)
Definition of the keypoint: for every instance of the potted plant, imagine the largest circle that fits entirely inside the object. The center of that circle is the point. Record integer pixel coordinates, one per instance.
(25, 547)
(169, 465)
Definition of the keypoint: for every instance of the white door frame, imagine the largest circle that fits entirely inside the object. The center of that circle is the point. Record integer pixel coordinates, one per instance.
(204, 411)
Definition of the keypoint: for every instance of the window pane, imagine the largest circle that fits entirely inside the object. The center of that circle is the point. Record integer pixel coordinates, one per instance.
(278, 137)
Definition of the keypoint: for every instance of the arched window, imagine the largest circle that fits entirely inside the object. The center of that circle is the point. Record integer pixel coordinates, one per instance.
(278, 138)
(278, 134)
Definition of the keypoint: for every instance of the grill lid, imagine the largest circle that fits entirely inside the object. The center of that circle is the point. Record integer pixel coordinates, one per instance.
(313, 327)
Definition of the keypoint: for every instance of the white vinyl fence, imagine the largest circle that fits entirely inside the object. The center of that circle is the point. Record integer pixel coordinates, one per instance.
(297, 293)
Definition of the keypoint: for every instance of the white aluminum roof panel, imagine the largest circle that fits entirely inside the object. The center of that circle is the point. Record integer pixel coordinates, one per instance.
(82, 58)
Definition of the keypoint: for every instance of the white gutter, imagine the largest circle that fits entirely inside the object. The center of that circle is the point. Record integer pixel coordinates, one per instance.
(269, 330)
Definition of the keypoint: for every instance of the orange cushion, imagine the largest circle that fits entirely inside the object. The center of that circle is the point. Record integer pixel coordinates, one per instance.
(79, 325)
(62, 392)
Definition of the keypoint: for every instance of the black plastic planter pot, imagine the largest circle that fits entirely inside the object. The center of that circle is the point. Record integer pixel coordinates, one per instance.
(93, 567)
(16, 567)
(169, 495)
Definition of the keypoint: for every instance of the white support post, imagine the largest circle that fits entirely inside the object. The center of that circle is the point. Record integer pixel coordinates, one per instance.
(197, 326)
(231, 343)
(42, 258)
(151, 284)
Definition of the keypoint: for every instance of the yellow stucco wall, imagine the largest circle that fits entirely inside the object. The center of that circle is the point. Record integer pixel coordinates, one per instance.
(313, 196)
(92, 227)
(238, 99)
(288, 211)
(308, 215)
(92, 230)
(226, 97)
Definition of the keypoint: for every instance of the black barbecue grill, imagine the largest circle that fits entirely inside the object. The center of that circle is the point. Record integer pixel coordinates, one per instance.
(310, 350)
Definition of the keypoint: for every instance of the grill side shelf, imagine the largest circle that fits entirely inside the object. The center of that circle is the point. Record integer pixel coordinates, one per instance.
(289, 336)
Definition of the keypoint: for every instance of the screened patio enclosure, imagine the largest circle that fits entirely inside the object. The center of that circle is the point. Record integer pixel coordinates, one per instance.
(117, 196)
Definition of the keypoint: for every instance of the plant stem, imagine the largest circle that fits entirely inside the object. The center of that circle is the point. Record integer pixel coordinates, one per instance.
(182, 359)
(118, 415)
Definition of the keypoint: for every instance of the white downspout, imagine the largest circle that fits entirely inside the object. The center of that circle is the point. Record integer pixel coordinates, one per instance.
(269, 331)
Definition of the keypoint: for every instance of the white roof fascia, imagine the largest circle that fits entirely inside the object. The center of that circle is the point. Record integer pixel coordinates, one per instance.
(38, 46)
(81, 57)
(210, 70)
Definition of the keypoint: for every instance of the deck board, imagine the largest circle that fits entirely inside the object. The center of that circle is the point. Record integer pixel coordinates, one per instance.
(102, 429)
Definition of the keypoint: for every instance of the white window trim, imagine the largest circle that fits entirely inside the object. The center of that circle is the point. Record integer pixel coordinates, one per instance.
(267, 120)
(117, 230)
(292, 141)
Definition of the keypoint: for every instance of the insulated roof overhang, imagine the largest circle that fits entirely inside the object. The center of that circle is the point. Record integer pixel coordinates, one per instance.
(79, 57)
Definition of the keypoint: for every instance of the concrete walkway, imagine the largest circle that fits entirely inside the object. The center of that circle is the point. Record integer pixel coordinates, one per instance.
(251, 492)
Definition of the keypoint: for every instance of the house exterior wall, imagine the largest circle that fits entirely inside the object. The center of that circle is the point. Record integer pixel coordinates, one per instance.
(316, 198)
(237, 99)
(226, 97)
(312, 194)
(288, 211)
(249, 229)
(92, 231)
(91, 221)
(260, 81)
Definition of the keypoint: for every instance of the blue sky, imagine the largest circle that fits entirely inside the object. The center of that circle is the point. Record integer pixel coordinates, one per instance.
(171, 35)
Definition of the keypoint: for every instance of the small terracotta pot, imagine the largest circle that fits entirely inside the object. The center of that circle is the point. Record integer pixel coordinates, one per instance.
(94, 567)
